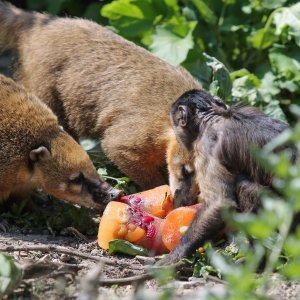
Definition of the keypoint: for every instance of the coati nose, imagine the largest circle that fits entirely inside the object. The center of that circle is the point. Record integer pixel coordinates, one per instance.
(115, 194)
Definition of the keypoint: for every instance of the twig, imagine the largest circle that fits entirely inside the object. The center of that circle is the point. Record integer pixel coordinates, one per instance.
(215, 279)
(59, 249)
(149, 275)
(127, 280)
(78, 234)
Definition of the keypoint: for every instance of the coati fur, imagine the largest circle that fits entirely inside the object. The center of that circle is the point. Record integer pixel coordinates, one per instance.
(37, 153)
(226, 172)
(100, 86)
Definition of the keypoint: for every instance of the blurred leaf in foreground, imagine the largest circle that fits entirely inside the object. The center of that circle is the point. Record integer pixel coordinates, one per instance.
(10, 275)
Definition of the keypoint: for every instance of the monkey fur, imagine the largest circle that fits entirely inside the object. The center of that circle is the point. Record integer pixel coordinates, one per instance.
(100, 86)
(36, 153)
(225, 170)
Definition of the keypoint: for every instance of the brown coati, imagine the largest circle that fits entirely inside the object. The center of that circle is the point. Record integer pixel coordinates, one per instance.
(37, 153)
(227, 173)
(100, 86)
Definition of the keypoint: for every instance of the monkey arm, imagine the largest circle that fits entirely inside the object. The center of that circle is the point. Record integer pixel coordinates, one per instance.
(207, 223)
(219, 193)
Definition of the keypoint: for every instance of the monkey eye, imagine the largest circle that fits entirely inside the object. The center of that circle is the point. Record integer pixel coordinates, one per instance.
(76, 178)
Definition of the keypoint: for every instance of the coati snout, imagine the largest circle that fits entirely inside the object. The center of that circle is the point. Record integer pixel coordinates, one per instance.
(181, 169)
(65, 171)
(36, 153)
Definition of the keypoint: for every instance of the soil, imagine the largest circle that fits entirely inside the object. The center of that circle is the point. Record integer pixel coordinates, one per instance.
(53, 274)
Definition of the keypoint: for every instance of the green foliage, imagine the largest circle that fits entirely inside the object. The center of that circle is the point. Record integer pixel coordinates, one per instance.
(10, 275)
(106, 169)
(257, 41)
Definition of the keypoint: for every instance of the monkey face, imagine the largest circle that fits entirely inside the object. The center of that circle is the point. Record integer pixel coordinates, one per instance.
(187, 116)
(189, 112)
(65, 171)
(182, 181)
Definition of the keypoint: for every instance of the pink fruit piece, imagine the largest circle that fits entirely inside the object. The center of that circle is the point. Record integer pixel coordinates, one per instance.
(147, 219)
(151, 232)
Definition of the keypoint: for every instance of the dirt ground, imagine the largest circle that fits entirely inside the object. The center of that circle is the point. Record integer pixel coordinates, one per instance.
(70, 267)
(53, 274)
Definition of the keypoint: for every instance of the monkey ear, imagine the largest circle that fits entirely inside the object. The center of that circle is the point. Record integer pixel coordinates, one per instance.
(39, 154)
(182, 115)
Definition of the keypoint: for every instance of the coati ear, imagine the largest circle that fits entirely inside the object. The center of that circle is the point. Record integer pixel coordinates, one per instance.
(39, 153)
(181, 116)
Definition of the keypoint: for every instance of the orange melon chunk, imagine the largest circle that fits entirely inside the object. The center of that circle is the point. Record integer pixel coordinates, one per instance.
(176, 223)
(120, 221)
(157, 202)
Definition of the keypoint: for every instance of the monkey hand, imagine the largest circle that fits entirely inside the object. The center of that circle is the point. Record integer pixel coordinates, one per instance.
(172, 258)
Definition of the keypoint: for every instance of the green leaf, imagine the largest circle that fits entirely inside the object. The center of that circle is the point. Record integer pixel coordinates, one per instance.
(207, 14)
(292, 269)
(125, 247)
(130, 17)
(255, 226)
(269, 87)
(285, 61)
(221, 83)
(289, 17)
(245, 88)
(88, 144)
(92, 11)
(55, 6)
(169, 46)
(262, 39)
(102, 171)
(272, 4)
(10, 275)
(274, 110)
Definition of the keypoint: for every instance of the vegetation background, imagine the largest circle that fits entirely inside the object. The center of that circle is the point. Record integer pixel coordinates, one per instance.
(243, 51)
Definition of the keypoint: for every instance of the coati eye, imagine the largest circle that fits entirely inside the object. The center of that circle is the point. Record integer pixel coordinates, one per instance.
(76, 178)
(186, 171)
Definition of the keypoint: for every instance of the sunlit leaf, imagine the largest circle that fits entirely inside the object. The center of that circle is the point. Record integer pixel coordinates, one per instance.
(289, 17)
(207, 14)
(171, 47)
(221, 83)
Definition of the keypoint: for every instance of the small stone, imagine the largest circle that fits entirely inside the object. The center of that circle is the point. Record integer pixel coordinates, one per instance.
(95, 252)
(65, 258)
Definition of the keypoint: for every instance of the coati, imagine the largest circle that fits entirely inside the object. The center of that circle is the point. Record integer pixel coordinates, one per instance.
(101, 86)
(227, 173)
(37, 153)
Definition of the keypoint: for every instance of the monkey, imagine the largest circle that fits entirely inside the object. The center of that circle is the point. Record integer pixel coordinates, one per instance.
(227, 173)
(104, 87)
(37, 153)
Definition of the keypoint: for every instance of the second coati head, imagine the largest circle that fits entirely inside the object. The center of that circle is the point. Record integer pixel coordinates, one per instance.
(36, 153)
